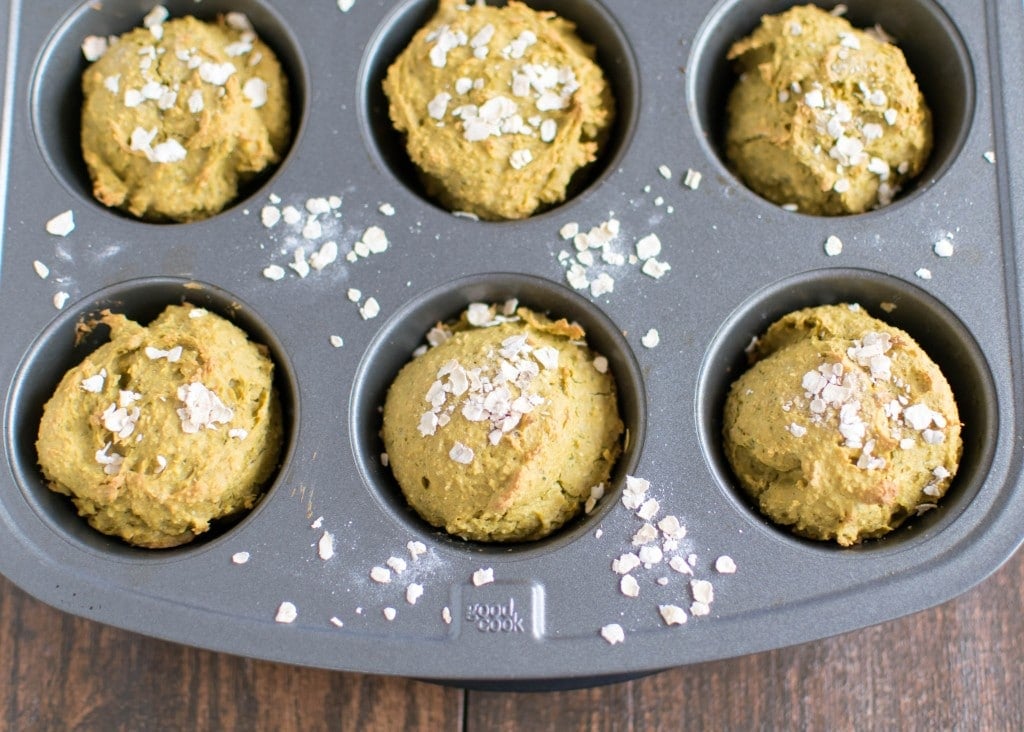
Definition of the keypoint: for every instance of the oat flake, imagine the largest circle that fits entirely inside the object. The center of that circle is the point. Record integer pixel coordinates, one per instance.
(325, 547)
(381, 575)
(286, 613)
(255, 90)
(629, 586)
(274, 272)
(413, 593)
(943, 248)
(61, 224)
(93, 48)
(370, 309)
(202, 408)
(672, 614)
(725, 565)
(397, 563)
(613, 633)
(484, 576)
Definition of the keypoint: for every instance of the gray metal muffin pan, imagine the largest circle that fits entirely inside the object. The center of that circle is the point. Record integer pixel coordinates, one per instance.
(737, 262)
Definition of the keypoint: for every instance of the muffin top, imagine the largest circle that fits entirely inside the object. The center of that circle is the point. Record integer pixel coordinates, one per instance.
(504, 428)
(163, 428)
(843, 426)
(178, 114)
(499, 106)
(824, 118)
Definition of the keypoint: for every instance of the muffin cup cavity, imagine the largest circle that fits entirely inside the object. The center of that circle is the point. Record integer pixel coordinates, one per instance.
(938, 331)
(56, 87)
(68, 340)
(594, 24)
(934, 50)
(393, 346)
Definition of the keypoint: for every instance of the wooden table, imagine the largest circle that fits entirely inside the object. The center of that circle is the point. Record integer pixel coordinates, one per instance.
(958, 666)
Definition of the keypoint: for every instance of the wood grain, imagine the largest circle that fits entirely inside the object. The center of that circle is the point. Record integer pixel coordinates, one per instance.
(59, 672)
(958, 666)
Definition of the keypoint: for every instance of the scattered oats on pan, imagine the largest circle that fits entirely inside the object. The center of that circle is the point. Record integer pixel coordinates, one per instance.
(61, 224)
(484, 576)
(672, 614)
(286, 613)
(613, 633)
(381, 575)
(325, 547)
(725, 564)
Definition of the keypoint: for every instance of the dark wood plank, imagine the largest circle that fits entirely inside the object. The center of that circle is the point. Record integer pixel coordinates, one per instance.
(60, 672)
(960, 665)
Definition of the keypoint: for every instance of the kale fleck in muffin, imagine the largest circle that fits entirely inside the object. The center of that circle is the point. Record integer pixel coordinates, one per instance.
(843, 426)
(164, 428)
(505, 427)
(180, 113)
(499, 106)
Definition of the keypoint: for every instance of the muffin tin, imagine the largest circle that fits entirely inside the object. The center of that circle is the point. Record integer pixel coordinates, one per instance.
(737, 263)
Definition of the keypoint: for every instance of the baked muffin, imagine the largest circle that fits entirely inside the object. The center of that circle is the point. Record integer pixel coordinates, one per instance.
(824, 118)
(843, 427)
(499, 107)
(164, 428)
(177, 115)
(504, 428)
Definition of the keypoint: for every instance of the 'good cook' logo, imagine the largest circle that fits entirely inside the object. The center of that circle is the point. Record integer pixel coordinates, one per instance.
(494, 617)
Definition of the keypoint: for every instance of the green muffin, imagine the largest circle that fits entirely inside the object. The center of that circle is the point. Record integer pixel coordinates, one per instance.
(179, 114)
(499, 107)
(843, 426)
(824, 118)
(164, 428)
(502, 430)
